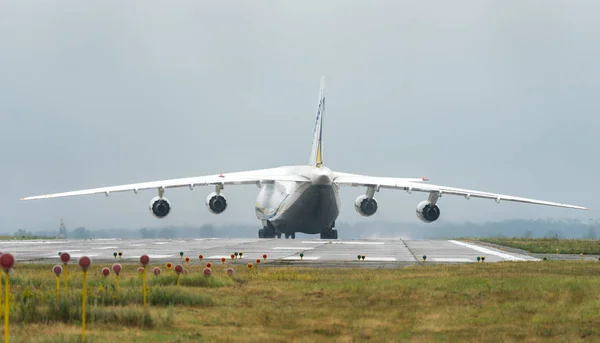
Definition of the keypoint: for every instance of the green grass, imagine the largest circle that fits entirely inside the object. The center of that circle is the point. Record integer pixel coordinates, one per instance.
(24, 238)
(549, 245)
(551, 301)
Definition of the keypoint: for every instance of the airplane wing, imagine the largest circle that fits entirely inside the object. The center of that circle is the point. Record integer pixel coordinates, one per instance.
(409, 185)
(239, 178)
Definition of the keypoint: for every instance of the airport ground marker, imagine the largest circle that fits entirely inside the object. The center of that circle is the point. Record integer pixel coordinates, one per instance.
(57, 269)
(65, 258)
(117, 268)
(144, 260)
(84, 263)
(179, 270)
(7, 261)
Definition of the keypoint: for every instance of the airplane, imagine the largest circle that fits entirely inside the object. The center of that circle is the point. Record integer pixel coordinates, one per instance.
(303, 198)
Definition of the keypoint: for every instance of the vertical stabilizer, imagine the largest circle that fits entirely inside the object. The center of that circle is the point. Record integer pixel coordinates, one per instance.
(316, 155)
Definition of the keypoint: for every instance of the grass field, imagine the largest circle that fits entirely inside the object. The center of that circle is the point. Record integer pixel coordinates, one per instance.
(552, 301)
(24, 238)
(549, 245)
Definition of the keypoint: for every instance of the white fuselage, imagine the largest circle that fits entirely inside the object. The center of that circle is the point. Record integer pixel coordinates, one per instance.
(307, 207)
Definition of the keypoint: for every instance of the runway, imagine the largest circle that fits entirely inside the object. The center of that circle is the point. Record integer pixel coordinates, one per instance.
(378, 253)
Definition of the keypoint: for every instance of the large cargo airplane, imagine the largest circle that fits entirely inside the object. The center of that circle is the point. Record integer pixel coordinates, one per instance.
(303, 198)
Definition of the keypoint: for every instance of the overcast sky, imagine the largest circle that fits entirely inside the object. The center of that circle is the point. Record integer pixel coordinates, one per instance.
(499, 96)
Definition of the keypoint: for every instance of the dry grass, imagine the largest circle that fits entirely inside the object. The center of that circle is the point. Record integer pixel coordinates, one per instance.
(485, 302)
(549, 245)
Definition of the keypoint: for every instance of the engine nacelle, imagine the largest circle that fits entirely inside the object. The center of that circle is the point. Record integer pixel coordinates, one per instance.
(427, 213)
(216, 203)
(160, 207)
(364, 206)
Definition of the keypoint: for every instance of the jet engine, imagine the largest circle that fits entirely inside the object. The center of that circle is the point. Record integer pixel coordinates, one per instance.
(364, 206)
(160, 207)
(427, 213)
(216, 203)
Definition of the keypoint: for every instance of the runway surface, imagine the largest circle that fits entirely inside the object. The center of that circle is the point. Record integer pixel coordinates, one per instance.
(378, 253)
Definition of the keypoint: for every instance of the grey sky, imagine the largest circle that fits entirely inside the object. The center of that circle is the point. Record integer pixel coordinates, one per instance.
(492, 95)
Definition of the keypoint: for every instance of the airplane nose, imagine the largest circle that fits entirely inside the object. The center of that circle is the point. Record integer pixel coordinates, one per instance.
(320, 178)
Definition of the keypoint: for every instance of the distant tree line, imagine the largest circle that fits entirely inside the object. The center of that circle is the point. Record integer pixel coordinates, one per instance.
(568, 228)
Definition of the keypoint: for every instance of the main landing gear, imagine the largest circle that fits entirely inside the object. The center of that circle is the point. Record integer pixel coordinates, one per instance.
(329, 234)
(267, 232)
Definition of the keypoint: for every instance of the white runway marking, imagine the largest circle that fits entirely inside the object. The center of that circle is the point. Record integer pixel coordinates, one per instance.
(219, 257)
(151, 256)
(342, 242)
(449, 259)
(104, 248)
(297, 258)
(360, 243)
(83, 254)
(488, 251)
(138, 245)
(380, 259)
(292, 248)
(162, 242)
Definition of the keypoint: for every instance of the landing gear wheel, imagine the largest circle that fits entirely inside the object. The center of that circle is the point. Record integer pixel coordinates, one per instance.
(293, 235)
(287, 236)
(329, 234)
(278, 234)
(261, 233)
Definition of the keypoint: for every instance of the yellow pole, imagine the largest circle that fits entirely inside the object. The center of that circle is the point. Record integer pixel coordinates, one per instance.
(66, 280)
(83, 305)
(144, 292)
(57, 287)
(6, 307)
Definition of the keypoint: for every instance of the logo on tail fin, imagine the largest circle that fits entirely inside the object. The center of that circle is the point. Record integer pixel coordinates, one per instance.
(316, 157)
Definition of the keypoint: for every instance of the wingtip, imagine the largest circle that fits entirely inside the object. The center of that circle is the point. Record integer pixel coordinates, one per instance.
(424, 178)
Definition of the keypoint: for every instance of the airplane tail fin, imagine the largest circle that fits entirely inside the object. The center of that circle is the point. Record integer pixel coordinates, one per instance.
(316, 157)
